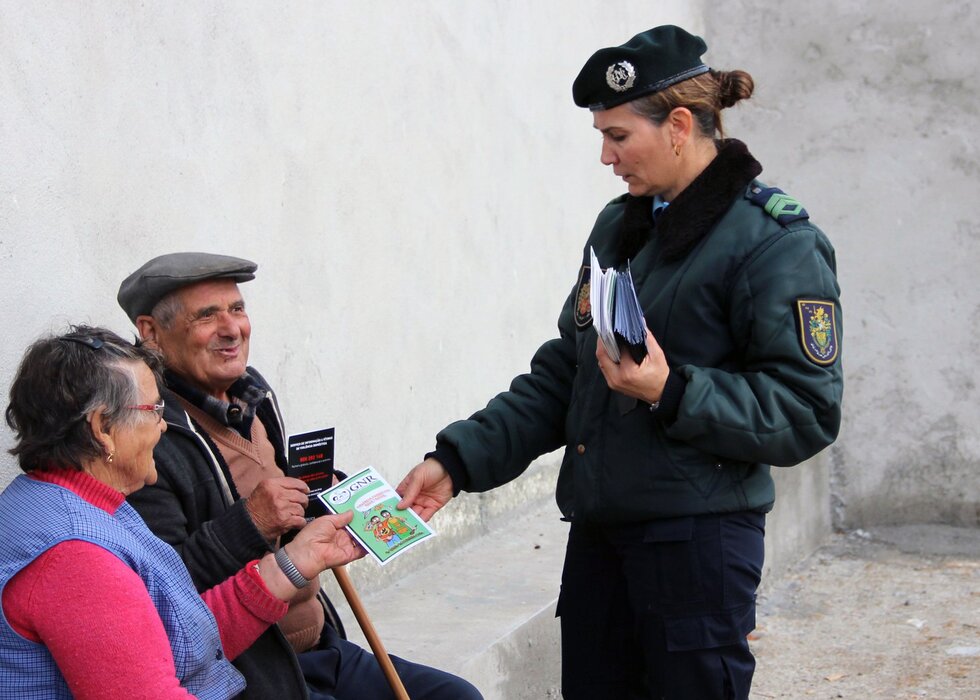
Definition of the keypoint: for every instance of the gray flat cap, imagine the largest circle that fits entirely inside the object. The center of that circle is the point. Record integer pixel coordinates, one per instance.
(141, 291)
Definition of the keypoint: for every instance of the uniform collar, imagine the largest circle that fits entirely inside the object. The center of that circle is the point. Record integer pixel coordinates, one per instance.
(693, 213)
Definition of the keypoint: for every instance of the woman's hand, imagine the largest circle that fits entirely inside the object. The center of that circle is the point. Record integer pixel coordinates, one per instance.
(426, 488)
(322, 544)
(644, 381)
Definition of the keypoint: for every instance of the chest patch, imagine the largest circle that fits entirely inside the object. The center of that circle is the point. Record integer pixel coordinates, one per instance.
(818, 330)
(583, 304)
(778, 204)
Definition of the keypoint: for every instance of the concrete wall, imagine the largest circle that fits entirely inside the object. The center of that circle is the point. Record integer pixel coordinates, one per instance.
(412, 178)
(867, 113)
(415, 184)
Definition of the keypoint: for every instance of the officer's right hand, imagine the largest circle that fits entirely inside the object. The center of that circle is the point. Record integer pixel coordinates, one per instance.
(278, 505)
(426, 488)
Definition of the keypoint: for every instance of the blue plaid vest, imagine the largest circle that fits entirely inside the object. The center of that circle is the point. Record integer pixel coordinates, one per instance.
(35, 516)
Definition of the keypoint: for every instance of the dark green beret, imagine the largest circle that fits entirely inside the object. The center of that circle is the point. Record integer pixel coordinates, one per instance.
(649, 62)
(141, 291)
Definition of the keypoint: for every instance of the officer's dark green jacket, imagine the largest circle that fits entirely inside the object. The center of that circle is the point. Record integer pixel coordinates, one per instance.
(739, 288)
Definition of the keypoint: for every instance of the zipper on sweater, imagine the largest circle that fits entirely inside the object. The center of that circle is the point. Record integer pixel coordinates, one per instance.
(215, 465)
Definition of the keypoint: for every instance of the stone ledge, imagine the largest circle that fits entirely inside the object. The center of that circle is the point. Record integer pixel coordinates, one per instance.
(485, 612)
(484, 607)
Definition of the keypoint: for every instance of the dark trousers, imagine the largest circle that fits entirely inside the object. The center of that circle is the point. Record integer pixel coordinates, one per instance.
(341, 670)
(661, 609)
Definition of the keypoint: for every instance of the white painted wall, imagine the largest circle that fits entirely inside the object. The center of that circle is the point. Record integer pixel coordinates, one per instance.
(412, 178)
(415, 184)
(867, 113)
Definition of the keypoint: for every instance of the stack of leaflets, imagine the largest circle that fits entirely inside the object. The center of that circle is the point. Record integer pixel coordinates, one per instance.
(378, 526)
(616, 313)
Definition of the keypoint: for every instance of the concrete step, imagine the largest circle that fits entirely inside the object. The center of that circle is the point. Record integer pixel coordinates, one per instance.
(479, 598)
(485, 611)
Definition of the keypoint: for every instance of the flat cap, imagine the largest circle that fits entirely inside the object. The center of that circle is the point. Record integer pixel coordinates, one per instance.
(141, 291)
(647, 63)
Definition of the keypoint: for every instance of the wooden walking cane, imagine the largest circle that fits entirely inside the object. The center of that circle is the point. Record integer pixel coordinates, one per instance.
(347, 586)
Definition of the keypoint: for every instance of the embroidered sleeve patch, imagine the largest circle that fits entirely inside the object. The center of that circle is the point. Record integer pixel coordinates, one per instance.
(583, 304)
(818, 330)
(778, 204)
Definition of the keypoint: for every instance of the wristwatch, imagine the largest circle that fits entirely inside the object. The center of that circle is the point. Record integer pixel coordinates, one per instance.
(289, 568)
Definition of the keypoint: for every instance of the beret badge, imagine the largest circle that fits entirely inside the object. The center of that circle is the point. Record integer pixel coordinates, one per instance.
(649, 62)
(620, 76)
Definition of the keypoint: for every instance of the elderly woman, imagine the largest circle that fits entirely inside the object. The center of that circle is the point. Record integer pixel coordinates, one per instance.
(94, 605)
(666, 473)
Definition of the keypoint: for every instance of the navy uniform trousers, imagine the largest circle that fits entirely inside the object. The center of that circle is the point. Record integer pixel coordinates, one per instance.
(661, 609)
(341, 670)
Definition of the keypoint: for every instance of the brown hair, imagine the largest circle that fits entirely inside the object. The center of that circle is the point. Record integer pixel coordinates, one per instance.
(705, 95)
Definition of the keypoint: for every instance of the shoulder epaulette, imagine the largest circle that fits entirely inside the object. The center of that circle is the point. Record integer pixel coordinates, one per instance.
(777, 204)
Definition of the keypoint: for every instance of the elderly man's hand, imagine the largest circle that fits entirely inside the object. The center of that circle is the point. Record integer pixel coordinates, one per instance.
(278, 505)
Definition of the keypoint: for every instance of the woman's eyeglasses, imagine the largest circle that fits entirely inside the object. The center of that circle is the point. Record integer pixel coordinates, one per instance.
(155, 407)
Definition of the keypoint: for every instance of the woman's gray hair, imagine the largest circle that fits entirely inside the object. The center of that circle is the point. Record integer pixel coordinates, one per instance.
(60, 382)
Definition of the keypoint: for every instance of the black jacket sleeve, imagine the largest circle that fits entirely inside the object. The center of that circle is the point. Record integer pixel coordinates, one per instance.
(498, 443)
(187, 509)
(781, 408)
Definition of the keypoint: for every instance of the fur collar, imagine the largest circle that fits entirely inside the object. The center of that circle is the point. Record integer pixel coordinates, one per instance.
(695, 210)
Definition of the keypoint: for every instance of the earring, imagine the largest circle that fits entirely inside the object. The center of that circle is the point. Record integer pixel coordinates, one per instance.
(677, 150)
(108, 459)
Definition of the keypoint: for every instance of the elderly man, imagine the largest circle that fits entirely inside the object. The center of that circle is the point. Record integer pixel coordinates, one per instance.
(221, 498)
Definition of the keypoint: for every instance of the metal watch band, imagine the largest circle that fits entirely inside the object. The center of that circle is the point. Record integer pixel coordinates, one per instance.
(288, 568)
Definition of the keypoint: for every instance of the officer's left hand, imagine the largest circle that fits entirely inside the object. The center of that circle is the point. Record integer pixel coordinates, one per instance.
(644, 381)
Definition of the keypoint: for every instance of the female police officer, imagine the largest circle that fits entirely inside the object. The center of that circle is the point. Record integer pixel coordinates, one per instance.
(665, 478)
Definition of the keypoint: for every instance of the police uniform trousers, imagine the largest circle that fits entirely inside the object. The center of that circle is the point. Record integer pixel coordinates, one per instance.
(661, 609)
(341, 670)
